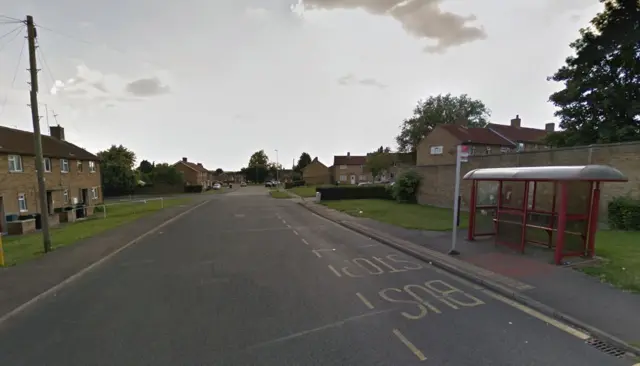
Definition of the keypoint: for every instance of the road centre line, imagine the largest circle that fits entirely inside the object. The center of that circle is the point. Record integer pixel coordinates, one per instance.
(410, 345)
(366, 302)
(305, 241)
(295, 232)
(317, 252)
(335, 271)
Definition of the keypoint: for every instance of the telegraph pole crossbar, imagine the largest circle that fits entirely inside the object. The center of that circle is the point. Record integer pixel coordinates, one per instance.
(35, 117)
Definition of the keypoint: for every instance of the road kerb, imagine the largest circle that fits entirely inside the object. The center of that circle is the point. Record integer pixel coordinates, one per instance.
(92, 266)
(460, 271)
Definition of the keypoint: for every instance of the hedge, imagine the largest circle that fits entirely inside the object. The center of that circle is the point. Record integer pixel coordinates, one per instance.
(624, 213)
(354, 193)
(193, 189)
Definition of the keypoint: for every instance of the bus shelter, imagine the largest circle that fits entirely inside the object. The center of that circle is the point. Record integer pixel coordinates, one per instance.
(552, 206)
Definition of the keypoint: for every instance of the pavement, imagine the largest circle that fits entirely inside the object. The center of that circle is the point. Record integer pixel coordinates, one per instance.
(245, 279)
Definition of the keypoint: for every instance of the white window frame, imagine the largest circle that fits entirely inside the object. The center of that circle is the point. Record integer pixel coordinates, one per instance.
(16, 160)
(363, 178)
(342, 167)
(94, 193)
(343, 178)
(79, 166)
(22, 198)
(64, 163)
(92, 166)
(47, 165)
(504, 149)
(65, 196)
(488, 149)
(436, 150)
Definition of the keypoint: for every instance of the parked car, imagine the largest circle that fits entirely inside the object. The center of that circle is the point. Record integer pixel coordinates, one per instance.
(217, 186)
(243, 184)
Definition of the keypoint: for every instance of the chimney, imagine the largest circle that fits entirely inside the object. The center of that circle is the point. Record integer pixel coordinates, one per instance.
(516, 121)
(57, 132)
(348, 154)
(199, 164)
(550, 127)
(184, 160)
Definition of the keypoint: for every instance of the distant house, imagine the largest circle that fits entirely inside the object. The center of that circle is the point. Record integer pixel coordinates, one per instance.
(316, 173)
(439, 146)
(350, 169)
(194, 174)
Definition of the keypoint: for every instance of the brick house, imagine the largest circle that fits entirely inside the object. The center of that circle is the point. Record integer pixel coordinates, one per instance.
(194, 174)
(350, 169)
(72, 174)
(439, 146)
(316, 173)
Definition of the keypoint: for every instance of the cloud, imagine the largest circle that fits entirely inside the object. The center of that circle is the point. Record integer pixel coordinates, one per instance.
(351, 79)
(421, 18)
(100, 86)
(147, 87)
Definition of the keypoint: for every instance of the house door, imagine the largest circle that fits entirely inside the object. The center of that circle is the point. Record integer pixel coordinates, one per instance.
(2, 216)
(353, 179)
(50, 202)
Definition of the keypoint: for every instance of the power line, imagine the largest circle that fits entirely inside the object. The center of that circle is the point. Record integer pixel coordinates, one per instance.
(44, 62)
(11, 18)
(12, 31)
(13, 81)
(15, 32)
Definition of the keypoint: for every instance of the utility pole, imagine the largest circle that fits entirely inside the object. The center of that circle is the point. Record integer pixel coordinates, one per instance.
(277, 167)
(35, 117)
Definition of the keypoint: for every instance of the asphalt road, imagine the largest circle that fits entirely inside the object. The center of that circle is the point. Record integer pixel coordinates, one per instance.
(251, 280)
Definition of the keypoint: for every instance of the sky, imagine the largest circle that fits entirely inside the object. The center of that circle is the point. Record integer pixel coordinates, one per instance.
(216, 80)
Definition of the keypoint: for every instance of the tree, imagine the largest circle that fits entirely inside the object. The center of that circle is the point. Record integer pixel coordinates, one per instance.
(441, 109)
(166, 174)
(219, 171)
(600, 102)
(258, 159)
(379, 161)
(255, 174)
(116, 167)
(145, 167)
(305, 159)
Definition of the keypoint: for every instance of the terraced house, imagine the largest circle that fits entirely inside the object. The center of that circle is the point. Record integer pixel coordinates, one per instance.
(72, 175)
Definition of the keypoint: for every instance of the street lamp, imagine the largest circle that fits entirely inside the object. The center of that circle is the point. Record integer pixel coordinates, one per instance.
(277, 163)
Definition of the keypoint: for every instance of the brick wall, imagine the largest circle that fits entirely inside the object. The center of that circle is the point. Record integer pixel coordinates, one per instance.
(438, 180)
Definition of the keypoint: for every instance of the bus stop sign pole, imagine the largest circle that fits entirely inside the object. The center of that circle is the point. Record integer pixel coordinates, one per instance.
(462, 156)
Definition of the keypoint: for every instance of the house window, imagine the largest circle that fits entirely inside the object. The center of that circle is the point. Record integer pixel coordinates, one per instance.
(92, 167)
(343, 167)
(79, 166)
(488, 150)
(94, 193)
(472, 150)
(504, 150)
(22, 202)
(15, 163)
(64, 165)
(363, 178)
(436, 150)
(65, 196)
(343, 178)
(47, 165)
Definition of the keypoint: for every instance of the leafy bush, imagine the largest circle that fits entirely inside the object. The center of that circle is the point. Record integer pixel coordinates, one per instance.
(406, 186)
(353, 193)
(193, 189)
(624, 213)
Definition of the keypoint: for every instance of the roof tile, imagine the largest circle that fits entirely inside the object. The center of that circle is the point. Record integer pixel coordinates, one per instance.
(21, 142)
(476, 135)
(349, 160)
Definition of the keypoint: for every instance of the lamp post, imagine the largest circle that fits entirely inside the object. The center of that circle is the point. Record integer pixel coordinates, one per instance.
(277, 167)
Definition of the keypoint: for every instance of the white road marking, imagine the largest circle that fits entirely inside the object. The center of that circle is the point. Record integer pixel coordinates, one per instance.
(295, 232)
(409, 345)
(366, 302)
(335, 271)
(304, 241)
(317, 252)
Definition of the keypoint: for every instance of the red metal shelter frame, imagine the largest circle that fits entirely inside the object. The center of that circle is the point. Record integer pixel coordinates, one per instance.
(560, 176)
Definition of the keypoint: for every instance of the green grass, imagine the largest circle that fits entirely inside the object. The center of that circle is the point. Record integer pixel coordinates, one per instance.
(218, 191)
(410, 216)
(18, 249)
(279, 194)
(621, 249)
(309, 191)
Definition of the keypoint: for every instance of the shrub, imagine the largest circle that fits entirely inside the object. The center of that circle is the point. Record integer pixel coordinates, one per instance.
(406, 186)
(295, 183)
(333, 193)
(624, 213)
(193, 189)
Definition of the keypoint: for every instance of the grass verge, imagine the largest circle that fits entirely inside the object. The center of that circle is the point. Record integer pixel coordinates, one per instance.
(18, 249)
(279, 194)
(621, 249)
(410, 216)
(304, 191)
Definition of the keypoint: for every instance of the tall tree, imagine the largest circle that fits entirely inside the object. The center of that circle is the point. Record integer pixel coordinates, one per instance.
(219, 171)
(166, 174)
(116, 167)
(145, 167)
(380, 161)
(600, 102)
(258, 159)
(440, 109)
(305, 159)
